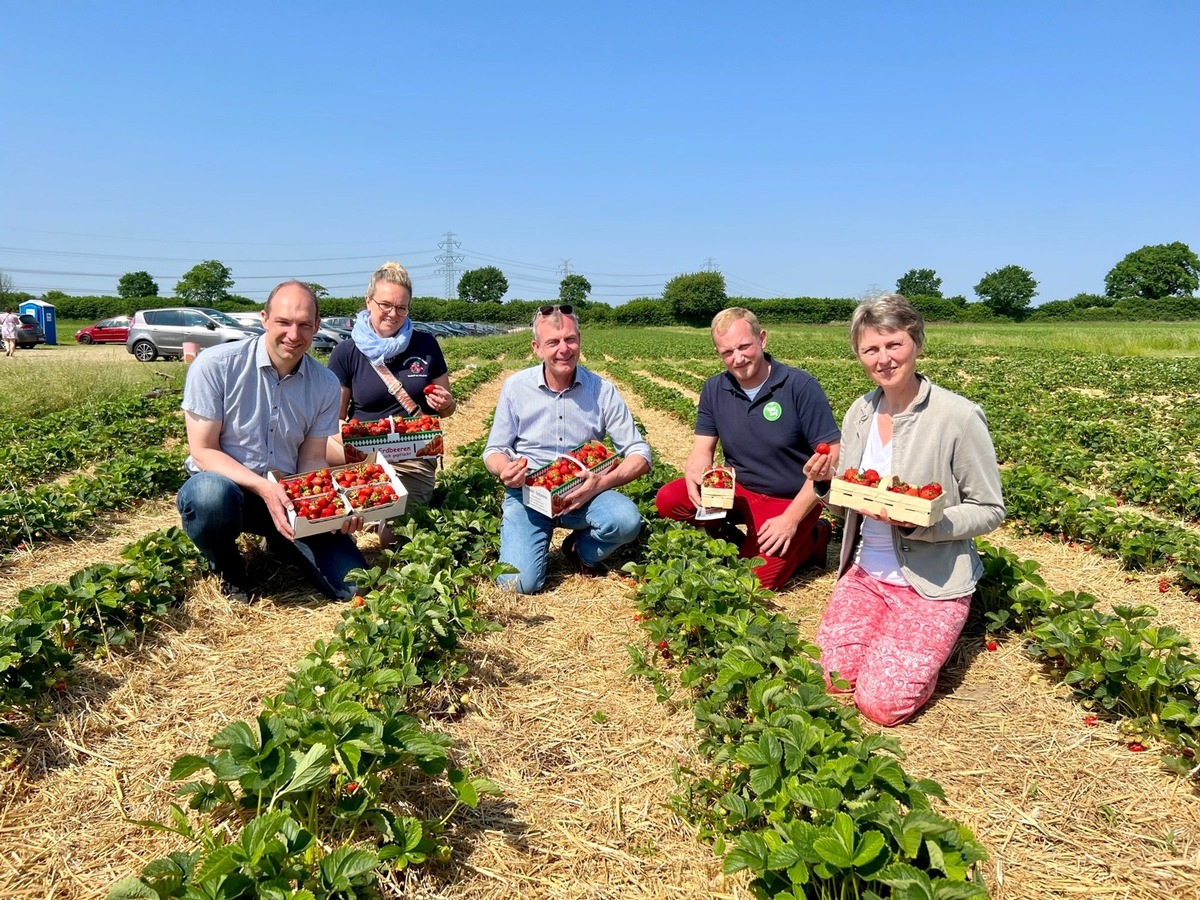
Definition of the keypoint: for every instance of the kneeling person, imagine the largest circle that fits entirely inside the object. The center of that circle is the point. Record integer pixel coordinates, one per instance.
(545, 411)
(770, 419)
(252, 406)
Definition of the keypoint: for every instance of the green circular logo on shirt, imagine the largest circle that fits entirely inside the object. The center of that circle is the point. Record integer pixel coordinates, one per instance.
(772, 411)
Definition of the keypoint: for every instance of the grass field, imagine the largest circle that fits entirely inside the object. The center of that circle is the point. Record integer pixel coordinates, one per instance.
(583, 755)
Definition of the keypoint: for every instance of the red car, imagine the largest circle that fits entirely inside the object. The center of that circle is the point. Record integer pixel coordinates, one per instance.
(107, 331)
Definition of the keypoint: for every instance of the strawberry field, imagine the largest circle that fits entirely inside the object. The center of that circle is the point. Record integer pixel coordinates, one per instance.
(660, 732)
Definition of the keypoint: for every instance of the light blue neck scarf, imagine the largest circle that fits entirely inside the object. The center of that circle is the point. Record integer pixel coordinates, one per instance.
(375, 348)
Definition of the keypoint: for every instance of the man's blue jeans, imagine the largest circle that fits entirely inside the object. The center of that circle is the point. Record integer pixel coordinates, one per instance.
(607, 521)
(215, 510)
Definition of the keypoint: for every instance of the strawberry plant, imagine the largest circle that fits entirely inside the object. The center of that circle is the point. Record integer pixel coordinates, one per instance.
(794, 793)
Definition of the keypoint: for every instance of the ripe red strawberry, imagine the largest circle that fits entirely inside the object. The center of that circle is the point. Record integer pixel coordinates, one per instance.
(870, 477)
(359, 600)
(1163, 585)
(662, 645)
(822, 449)
(930, 491)
(429, 389)
(1091, 721)
(992, 646)
(1135, 747)
(351, 787)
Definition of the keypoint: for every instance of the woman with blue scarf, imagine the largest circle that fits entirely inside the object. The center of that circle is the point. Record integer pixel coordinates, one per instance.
(391, 369)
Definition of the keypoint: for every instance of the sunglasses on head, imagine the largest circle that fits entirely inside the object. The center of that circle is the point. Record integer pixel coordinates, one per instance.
(565, 308)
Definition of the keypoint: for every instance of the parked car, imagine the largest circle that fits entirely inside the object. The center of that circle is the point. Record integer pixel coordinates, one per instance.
(29, 332)
(106, 331)
(163, 332)
(251, 320)
(325, 339)
(346, 323)
(430, 328)
(338, 334)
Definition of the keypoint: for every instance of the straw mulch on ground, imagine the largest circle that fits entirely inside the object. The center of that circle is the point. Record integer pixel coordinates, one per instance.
(583, 755)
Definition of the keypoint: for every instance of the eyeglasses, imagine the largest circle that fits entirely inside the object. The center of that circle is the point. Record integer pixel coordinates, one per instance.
(565, 308)
(390, 309)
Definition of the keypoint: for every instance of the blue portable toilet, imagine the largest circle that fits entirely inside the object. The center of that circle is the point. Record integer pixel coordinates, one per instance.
(44, 313)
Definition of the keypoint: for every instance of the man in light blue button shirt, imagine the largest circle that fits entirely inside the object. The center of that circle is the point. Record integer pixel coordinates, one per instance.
(252, 406)
(543, 412)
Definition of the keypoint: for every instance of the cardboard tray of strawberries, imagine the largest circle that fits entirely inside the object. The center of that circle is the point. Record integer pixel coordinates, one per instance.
(325, 498)
(914, 504)
(545, 488)
(394, 438)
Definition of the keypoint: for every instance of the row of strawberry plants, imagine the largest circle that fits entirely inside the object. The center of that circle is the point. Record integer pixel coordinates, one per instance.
(657, 395)
(319, 782)
(792, 791)
(1040, 503)
(1143, 675)
(64, 509)
(42, 448)
(669, 372)
(54, 626)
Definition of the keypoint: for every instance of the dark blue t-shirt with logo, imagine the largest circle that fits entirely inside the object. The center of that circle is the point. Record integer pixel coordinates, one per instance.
(417, 366)
(768, 440)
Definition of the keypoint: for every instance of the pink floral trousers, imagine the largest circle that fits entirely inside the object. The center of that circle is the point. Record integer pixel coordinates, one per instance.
(888, 642)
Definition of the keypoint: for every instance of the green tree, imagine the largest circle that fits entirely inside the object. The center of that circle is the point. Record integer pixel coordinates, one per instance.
(319, 290)
(696, 297)
(6, 287)
(205, 283)
(919, 283)
(486, 285)
(136, 284)
(1007, 291)
(1154, 272)
(574, 289)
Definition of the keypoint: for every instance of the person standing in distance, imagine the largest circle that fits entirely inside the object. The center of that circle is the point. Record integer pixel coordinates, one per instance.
(252, 406)
(8, 331)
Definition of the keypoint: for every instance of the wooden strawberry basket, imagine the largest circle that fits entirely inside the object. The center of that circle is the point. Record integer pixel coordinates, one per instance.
(877, 499)
(712, 496)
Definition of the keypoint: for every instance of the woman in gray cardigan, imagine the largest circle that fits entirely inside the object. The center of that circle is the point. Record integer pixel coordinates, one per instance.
(904, 591)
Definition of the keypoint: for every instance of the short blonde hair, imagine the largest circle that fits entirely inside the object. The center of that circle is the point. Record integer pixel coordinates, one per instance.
(887, 312)
(725, 319)
(391, 272)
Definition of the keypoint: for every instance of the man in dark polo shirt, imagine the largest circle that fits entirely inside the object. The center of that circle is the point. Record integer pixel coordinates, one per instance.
(769, 419)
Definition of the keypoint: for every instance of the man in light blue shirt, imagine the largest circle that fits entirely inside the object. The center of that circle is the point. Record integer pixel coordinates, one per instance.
(543, 412)
(252, 406)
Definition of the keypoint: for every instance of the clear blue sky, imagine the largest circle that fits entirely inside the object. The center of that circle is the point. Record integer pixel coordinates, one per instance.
(801, 148)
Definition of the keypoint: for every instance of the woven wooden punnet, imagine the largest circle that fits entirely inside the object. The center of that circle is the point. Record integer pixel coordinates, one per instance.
(720, 498)
(900, 507)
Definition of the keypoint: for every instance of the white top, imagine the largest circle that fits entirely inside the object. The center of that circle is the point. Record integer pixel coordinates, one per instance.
(876, 553)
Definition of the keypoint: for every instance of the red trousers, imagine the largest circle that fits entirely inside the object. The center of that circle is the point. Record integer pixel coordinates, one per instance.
(752, 510)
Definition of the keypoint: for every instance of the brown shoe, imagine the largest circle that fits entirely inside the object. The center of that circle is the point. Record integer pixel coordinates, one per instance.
(571, 552)
(822, 532)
